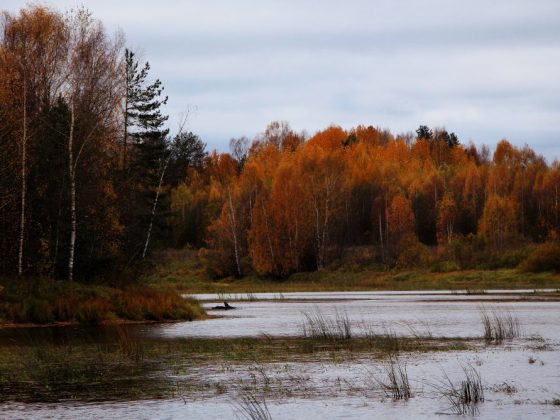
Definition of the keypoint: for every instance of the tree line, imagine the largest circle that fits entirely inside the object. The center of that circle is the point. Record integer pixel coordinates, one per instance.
(91, 180)
(286, 203)
(85, 158)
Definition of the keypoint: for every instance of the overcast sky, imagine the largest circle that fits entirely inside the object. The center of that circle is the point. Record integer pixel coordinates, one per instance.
(485, 70)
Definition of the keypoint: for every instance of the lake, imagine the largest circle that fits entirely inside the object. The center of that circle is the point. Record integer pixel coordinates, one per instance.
(520, 376)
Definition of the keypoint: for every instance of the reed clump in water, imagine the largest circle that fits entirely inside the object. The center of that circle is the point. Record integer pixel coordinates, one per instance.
(499, 325)
(253, 408)
(320, 327)
(396, 383)
(464, 396)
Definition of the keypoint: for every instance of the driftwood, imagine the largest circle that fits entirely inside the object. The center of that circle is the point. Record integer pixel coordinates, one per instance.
(226, 307)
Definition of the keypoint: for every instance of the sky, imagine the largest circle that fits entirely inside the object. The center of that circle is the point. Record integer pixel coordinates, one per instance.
(484, 70)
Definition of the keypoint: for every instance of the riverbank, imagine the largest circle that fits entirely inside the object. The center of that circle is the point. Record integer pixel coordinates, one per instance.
(182, 272)
(44, 301)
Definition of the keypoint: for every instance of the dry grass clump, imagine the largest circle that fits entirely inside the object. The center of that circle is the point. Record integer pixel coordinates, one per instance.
(396, 384)
(253, 408)
(320, 327)
(499, 325)
(464, 396)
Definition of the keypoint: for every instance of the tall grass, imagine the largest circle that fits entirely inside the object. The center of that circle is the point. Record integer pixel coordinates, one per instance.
(499, 325)
(396, 383)
(43, 300)
(464, 396)
(320, 327)
(251, 408)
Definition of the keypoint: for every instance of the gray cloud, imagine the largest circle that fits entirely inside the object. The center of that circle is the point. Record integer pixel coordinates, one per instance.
(486, 70)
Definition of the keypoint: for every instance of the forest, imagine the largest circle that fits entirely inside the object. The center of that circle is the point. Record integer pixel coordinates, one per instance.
(92, 181)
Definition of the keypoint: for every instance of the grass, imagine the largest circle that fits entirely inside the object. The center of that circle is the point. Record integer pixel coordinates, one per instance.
(464, 396)
(120, 366)
(253, 408)
(181, 271)
(498, 325)
(317, 326)
(45, 301)
(396, 383)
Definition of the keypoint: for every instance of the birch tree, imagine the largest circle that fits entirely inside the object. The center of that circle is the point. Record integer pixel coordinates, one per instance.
(92, 91)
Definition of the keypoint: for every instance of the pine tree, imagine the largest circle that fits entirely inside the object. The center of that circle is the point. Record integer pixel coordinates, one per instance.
(146, 154)
(143, 120)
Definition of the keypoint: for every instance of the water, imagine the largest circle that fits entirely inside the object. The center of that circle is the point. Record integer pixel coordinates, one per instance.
(444, 314)
(344, 388)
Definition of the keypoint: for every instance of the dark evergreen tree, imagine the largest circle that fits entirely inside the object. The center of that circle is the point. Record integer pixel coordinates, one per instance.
(143, 119)
(424, 133)
(453, 140)
(187, 151)
(146, 155)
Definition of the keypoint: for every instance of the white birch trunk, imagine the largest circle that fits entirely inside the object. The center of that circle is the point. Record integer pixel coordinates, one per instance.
(23, 182)
(72, 179)
(233, 225)
(150, 226)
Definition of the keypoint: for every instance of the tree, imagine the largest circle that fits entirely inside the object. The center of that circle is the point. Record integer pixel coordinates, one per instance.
(239, 150)
(498, 223)
(188, 152)
(400, 218)
(447, 215)
(32, 45)
(424, 133)
(322, 175)
(227, 236)
(142, 104)
(92, 93)
(145, 166)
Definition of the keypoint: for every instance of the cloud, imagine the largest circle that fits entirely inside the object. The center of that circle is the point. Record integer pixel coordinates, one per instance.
(486, 70)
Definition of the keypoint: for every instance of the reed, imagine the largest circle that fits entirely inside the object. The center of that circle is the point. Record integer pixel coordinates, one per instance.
(464, 396)
(498, 325)
(396, 383)
(320, 327)
(253, 408)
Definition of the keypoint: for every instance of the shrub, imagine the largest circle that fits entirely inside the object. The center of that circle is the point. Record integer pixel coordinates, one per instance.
(45, 301)
(412, 253)
(93, 311)
(38, 310)
(151, 304)
(444, 267)
(545, 257)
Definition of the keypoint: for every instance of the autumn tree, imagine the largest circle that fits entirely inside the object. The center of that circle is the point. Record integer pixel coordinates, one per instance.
(400, 219)
(227, 233)
(31, 57)
(498, 223)
(71, 91)
(447, 216)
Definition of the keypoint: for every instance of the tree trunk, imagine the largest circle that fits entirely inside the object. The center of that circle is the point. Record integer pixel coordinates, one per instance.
(381, 238)
(233, 225)
(150, 226)
(23, 182)
(125, 137)
(269, 241)
(72, 179)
